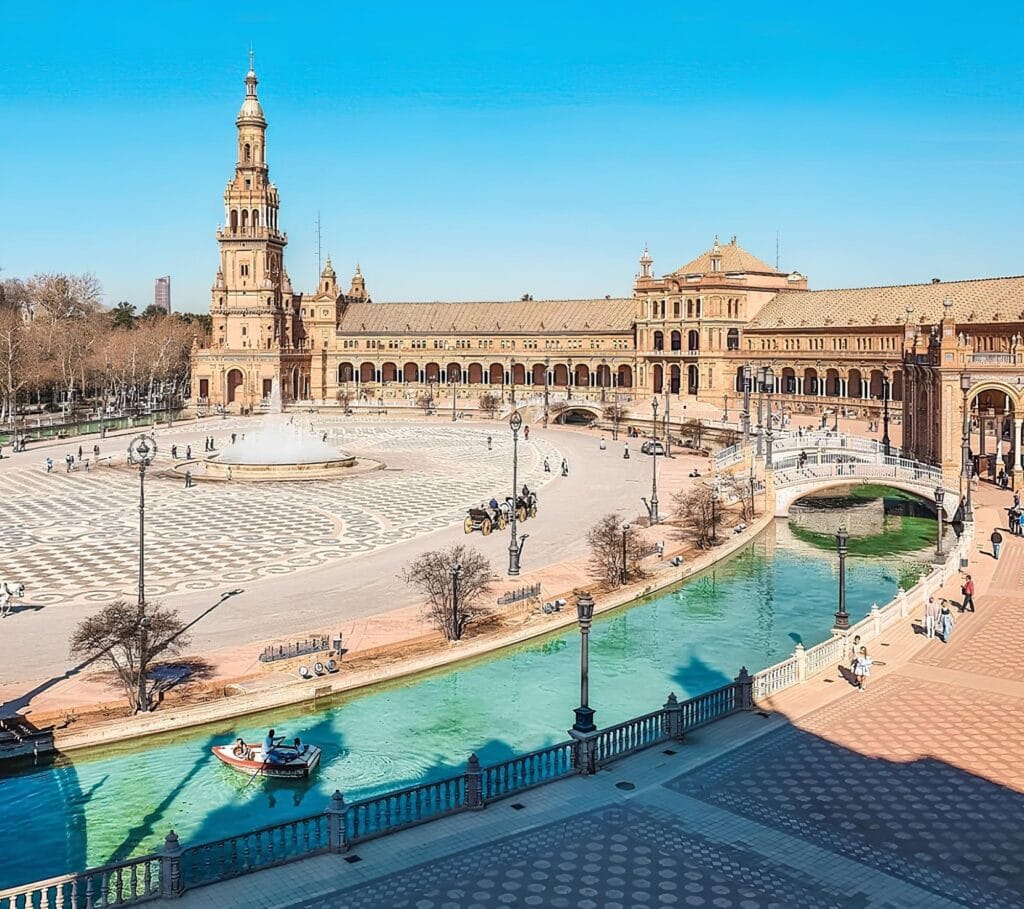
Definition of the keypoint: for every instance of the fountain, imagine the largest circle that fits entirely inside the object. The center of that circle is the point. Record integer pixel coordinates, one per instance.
(277, 450)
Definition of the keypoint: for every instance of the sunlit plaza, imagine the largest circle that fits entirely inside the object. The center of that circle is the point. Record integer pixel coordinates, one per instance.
(465, 523)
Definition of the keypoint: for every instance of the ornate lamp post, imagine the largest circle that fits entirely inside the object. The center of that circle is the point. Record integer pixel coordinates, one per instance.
(547, 367)
(886, 394)
(770, 435)
(141, 452)
(965, 387)
(842, 547)
(725, 407)
(652, 508)
(456, 569)
(615, 418)
(454, 387)
(940, 494)
(584, 714)
(512, 377)
(668, 435)
(624, 573)
(760, 409)
(514, 548)
(745, 415)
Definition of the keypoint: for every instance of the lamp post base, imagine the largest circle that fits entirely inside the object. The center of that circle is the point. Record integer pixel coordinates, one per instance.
(584, 720)
(842, 622)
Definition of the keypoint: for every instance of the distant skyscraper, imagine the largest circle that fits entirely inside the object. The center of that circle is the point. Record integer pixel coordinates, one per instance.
(162, 293)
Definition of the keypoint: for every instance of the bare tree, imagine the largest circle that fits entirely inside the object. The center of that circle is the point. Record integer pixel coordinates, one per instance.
(695, 513)
(425, 400)
(736, 488)
(454, 597)
(693, 430)
(489, 403)
(128, 638)
(730, 437)
(614, 412)
(606, 543)
(344, 397)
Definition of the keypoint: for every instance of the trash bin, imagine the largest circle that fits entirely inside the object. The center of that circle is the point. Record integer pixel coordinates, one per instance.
(336, 642)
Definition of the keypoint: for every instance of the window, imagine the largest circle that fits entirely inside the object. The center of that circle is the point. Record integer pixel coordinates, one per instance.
(243, 270)
(732, 339)
(675, 309)
(245, 330)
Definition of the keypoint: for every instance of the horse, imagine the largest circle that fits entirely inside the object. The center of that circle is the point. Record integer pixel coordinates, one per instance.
(9, 591)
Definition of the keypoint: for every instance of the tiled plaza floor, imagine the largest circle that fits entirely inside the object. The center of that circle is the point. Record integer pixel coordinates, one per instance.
(910, 794)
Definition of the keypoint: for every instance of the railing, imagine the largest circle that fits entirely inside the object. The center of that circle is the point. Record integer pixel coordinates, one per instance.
(276, 844)
(631, 736)
(993, 359)
(891, 468)
(134, 881)
(713, 705)
(382, 814)
(296, 648)
(520, 593)
(527, 771)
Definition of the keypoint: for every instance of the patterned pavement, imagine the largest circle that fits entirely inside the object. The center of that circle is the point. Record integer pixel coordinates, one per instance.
(73, 537)
(611, 858)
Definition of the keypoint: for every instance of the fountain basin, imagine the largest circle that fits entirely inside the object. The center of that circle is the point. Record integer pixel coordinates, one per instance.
(216, 469)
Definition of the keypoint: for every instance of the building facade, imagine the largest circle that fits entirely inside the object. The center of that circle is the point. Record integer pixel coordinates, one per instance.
(700, 334)
(162, 293)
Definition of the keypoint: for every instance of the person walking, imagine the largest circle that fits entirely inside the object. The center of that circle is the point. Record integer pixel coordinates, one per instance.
(547, 466)
(931, 617)
(526, 433)
(565, 468)
(188, 452)
(79, 452)
(602, 445)
(174, 452)
(488, 443)
(49, 465)
(232, 438)
(625, 452)
(1020, 524)
(997, 543)
(968, 592)
(945, 622)
(95, 451)
(862, 668)
(188, 479)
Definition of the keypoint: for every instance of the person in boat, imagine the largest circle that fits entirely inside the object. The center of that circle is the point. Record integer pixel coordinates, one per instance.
(270, 743)
(240, 750)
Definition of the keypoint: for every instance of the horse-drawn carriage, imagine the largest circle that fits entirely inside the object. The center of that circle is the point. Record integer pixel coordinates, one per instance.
(497, 515)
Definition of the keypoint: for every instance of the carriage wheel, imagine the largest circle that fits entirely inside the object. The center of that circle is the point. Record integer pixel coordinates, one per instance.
(521, 513)
(467, 525)
(486, 526)
(533, 511)
(502, 521)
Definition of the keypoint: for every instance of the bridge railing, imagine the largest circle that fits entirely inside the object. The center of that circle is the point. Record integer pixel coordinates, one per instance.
(890, 468)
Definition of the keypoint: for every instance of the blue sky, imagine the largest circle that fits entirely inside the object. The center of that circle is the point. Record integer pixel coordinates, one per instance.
(483, 151)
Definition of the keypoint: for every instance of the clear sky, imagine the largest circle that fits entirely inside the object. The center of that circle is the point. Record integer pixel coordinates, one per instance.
(486, 150)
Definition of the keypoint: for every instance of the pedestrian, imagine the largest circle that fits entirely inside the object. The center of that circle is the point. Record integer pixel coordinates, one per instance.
(862, 668)
(79, 452)
(526, 433)
(69, 460)
(931, 617)
(232, 438)
(547, 466)
(1020, 524)
(174, 452)
(49, 465)
(854, 651)
(488, 443)
(188, 452)
(188, 479)
(997, 543)
(95, 451)
(625, 452)
(968, 593)
(602, 444)
(945, 622)
(565, 468)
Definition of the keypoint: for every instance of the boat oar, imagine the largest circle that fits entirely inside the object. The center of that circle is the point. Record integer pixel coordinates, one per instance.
(258, 771)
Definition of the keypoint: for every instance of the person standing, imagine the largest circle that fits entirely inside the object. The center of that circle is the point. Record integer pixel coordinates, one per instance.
(1020, 524)
(862, 668)
(174, 452)
(931, 617)
(625, 452)
(968, 591)
(79, 452)
(95, 451)
(997, 543)
(602, 444)
(188, 452)
(526, 433)
(488, 443)
(945, 622)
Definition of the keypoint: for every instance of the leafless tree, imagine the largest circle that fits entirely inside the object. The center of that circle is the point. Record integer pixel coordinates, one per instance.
(692, 430)
(128, 638)
(695, 512)
(489, 403)
(605, 539)
(344, 397)
(425, 401)
(736, 488)
(455, 599)
(730, 437)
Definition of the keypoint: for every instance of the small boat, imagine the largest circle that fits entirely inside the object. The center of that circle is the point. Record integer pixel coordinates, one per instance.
(288, 762)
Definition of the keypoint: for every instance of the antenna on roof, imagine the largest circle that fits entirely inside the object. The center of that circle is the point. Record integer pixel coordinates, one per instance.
(776, 249)
(319, 260)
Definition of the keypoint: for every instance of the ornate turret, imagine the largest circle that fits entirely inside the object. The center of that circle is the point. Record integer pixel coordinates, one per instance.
(646, 264)
(328, 279)
(357, 290)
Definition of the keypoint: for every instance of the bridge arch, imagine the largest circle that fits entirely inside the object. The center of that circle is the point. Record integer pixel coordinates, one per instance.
(578, 413)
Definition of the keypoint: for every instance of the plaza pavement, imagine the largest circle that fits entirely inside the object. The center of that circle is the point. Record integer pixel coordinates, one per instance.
(909, 794)
(305, 557)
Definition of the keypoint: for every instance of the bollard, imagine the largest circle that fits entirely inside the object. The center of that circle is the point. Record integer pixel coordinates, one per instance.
(673, 718)
(744, 690)
(337, 810)
(171, 884)
(474, 791)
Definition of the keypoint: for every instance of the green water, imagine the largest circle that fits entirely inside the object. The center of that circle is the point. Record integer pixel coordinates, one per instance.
(106, 804)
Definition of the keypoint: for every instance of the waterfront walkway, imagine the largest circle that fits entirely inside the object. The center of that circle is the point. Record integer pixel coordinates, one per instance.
(908, 794)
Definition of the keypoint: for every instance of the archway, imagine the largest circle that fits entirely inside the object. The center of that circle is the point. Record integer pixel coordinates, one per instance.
(476, 374)
(674, 378)
(582, 375)
(659, 340)
(454, 372)
(432, 371)
(788, 380)
(389, 372)
(234, 383)
(346, 372)
(855, 386)
(411, 372)
(496, 374)
(692, 380)
(367, 372)
(561, 375)
(810, 381)
(676, 340)
(693, 340)
(832, 382)
(537, 373)
(518, 374)
(625, 376)
(659, 380)
(295, 383)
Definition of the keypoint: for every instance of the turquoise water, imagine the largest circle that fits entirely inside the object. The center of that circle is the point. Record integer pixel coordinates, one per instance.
(99, 806)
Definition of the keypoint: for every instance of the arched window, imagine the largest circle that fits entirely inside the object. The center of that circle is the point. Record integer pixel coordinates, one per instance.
(246, 152)
(245, 218)
(693, 340)
(677, 340)
(234, 220)
(732, 339)
(659, 340)
(255, 218)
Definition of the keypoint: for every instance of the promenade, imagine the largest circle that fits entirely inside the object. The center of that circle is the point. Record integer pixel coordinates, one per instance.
(908, 794)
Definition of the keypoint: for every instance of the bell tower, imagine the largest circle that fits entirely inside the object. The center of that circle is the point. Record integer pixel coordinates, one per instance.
(248, 308)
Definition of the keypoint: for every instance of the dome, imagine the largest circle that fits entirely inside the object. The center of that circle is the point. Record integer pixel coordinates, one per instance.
(251, 109)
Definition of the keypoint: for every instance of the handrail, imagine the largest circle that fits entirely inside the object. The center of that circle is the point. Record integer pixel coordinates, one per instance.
(95, 888)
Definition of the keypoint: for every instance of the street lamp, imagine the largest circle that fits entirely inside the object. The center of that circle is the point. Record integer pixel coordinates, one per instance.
(842, 547)
(745, 415)
(141, 452)
(725, 407)
(514, 547)
(512, 376)
(454, 387)
(965, 387)
(584, 714)
(547, 367)
(770, 436)
(940, 494)
(456, 569)
(615, 418)
(652, 508)
(624, 573)
(668, 418)
(886, 394)
(760, 410)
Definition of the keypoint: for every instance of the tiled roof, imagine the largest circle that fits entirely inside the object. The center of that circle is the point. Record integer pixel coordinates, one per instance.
(979, 300)
(513, 316)
(734, 259)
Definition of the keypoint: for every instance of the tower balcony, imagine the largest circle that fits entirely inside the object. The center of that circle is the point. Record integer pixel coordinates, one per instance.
(251, 233)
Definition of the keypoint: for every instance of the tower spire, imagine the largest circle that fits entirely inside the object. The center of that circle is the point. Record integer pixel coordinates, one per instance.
(252, 60)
